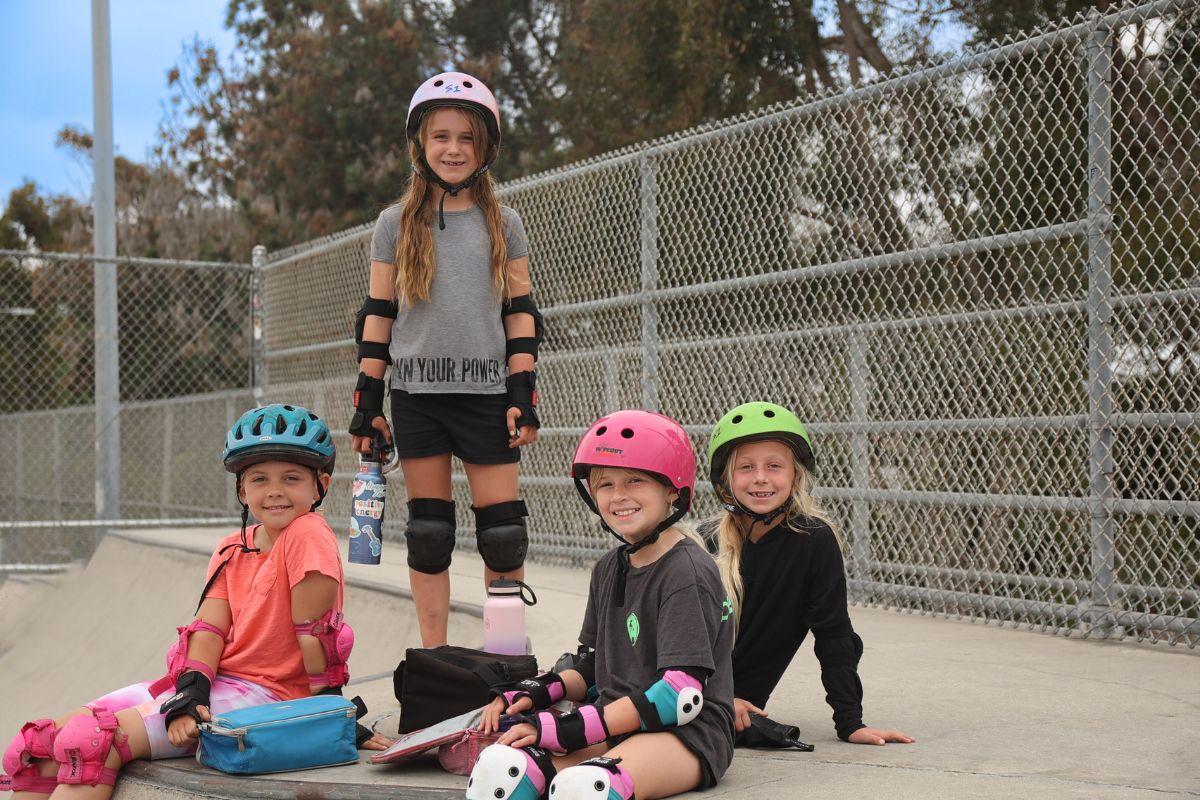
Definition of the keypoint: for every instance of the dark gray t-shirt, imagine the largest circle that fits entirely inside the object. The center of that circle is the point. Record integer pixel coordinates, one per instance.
(676, 614)
(455, 342)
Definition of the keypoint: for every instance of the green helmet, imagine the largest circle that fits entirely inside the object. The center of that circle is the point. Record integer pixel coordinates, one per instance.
(756, 422)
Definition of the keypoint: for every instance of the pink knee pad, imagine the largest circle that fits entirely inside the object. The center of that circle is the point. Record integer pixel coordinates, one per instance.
(83, 744)
(337, 640)
(36, 740)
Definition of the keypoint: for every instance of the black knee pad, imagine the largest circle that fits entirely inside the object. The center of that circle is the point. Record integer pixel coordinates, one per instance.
(501, 536)
(430, 535)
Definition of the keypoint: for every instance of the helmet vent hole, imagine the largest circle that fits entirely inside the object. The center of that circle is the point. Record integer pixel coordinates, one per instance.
(736, 420)
(288, 408)
(603, 429)
(321, 438)
(627, 433)
(280, 424)
(438, 82)
(256, 428)
(768, 413)
(301, 428)
(468, 84)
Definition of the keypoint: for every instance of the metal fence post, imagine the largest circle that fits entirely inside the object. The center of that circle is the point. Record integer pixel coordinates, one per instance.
(258, 322)
(649, 259)
(1102, 525)
(860, 457)
(107, 335)
(168, 452)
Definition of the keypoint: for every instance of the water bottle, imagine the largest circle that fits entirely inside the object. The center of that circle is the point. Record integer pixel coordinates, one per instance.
(367, 507)
(504, 617)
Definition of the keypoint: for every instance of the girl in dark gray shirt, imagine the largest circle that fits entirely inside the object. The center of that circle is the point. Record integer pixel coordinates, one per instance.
(656, 642)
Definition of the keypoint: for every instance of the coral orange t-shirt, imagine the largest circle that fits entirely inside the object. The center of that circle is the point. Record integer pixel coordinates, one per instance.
(262, 645)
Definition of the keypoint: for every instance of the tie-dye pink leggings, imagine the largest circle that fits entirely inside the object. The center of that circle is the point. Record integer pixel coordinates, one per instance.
(227, 694)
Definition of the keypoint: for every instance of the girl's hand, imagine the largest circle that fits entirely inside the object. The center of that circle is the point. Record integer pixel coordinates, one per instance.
(879, 736)
(489, 721)
(377, 742)
(520, 735)
(362, 444)
(522, 706)
(742, 709)
(526, 435)
(183, 731)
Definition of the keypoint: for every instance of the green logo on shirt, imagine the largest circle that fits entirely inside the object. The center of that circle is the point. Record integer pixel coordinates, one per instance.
(726, 609)
(633, 626)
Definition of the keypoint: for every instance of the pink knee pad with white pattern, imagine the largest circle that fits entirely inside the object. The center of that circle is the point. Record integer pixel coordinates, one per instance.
(83, 744)
(36, 740)
(337, 640)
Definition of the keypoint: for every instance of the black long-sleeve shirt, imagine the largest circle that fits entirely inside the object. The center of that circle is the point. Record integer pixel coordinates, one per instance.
(794, 581)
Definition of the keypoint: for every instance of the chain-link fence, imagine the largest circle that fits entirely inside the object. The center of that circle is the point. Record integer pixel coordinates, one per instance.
(976, 281)
(184, 330)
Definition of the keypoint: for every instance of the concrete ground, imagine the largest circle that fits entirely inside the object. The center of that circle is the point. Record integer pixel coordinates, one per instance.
(997, 712)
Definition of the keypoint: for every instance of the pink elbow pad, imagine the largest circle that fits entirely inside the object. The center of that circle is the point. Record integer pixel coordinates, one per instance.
(177, 660)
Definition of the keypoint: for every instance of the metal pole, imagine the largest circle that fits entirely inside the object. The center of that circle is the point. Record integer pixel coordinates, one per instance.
(258, 321)
(108, 383)
(860, 456)
(649, 259)
(1102, 526)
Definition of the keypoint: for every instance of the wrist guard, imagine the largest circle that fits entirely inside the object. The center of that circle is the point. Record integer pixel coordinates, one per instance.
(544, 690)
(191, 690)
(368, 404)
(522, 395)
(581, 728)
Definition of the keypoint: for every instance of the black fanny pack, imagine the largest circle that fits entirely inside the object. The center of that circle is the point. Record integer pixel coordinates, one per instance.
(435, 684)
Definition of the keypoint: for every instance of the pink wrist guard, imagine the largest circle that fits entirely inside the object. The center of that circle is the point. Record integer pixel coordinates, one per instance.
(570, 732)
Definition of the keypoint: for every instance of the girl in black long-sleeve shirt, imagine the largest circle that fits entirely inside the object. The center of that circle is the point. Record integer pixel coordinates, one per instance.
(781, 563)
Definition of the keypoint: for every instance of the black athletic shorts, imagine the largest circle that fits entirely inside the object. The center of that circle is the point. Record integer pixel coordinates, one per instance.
(474, 427)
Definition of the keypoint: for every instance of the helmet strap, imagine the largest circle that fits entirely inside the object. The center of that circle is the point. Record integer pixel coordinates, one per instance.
(321, 491)
(448, 188)
(627, 549)
(734, 507)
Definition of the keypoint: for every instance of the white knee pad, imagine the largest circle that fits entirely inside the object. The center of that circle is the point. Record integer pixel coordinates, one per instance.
(509, 773)
(595, 779)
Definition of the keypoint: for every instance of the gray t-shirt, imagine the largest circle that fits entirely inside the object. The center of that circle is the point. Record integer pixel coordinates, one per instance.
(675, 615)
(455, 342)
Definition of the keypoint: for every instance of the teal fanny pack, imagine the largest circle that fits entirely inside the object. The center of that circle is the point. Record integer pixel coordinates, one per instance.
(306, 733)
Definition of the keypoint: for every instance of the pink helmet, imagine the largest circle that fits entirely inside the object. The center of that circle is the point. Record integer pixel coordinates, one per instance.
(640, 440)
(455, 90)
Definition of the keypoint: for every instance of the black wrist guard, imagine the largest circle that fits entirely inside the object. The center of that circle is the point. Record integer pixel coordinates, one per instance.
(191, 690)
(368, 404)
(522, 395)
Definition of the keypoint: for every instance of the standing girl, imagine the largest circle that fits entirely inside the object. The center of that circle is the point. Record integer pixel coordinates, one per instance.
(781, 563)
(656, 643)
(449, 308)
(269, 626)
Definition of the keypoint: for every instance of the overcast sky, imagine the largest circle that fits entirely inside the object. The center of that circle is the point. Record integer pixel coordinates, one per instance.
(46, 63)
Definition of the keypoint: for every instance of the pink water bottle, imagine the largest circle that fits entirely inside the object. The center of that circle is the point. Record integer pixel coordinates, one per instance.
(504, 617)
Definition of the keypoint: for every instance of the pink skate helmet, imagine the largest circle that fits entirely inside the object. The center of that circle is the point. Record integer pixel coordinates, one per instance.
(454, 90)
(640, 440)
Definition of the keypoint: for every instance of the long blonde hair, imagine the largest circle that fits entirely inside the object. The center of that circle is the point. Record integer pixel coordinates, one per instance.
(414, 245)
(731, 535)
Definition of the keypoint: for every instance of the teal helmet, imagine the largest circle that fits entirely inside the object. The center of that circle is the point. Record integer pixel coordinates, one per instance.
(279, 433)
(756, 422)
